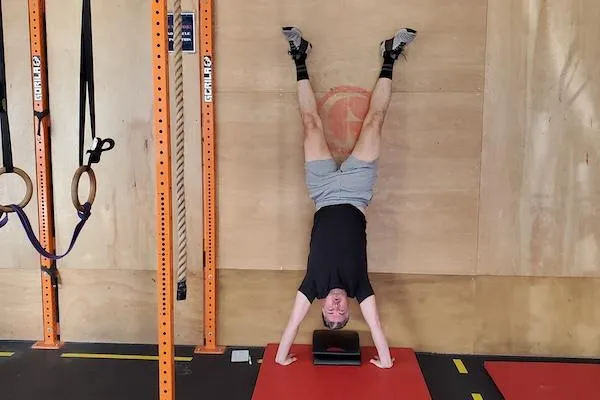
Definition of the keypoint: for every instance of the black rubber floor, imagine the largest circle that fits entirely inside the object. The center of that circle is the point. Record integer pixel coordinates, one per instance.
(35, 374)
(43, 374)
(445, 381)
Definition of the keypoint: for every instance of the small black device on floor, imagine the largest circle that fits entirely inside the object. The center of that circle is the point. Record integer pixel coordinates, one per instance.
(336, 347)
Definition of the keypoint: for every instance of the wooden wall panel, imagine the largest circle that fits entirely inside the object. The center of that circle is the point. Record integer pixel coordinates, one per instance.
(545, 316)
(346, 36)
(424, 215)
(423, 218)
(21, 311)
(439, 313)
(540, 180)
(409, 308)
(120, 306)
(264, 209)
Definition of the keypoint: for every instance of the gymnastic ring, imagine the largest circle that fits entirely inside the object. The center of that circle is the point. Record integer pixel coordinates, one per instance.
(75, 187)
(28, 191)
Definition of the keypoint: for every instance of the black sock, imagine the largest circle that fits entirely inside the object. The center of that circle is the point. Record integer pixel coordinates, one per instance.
(301, 70)
(388, 66)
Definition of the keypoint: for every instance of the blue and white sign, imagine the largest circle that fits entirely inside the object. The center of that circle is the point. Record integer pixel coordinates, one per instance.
(188, 32)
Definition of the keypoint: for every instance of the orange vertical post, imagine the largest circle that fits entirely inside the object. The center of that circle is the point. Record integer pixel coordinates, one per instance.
(164, 244)
(43, 162)
(209, 177)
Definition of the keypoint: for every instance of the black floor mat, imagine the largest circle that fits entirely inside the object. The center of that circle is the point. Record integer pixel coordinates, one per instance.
(446, 382)
(36, 374)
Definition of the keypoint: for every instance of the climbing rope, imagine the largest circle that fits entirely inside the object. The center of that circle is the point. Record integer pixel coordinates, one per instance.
(180, 155)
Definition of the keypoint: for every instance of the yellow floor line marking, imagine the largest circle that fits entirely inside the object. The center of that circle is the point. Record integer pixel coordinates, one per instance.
(460, 366)
(6, 354)
(477, 396)
(119, 357)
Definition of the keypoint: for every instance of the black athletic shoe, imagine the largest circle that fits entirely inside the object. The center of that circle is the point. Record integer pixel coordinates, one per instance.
(299, 47)
(395, 46)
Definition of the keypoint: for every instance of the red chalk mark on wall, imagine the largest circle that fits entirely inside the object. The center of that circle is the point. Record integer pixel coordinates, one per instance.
(343, 110)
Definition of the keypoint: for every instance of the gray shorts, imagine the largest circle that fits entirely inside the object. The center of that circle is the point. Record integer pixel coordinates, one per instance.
(351, 183)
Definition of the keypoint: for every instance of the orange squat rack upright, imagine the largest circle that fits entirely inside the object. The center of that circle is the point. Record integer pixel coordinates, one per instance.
(162, 134)
(209, 177)
(43, 158)
(162, 138)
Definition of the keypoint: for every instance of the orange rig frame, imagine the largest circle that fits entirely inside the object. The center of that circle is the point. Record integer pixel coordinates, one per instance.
(162, 134)
(209, 176)
(43, 158)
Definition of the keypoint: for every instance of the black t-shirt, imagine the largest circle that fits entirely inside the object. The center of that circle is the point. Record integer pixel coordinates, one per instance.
(338, 254)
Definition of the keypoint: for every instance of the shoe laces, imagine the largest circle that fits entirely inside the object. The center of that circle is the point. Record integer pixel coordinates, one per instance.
(294, 51)
(398, 51)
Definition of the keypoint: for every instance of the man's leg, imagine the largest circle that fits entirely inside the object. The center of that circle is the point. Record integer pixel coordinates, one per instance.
(315, 145)
(368, 144)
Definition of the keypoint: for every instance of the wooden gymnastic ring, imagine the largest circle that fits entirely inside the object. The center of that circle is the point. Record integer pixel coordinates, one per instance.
(75, 187)
(28, 190)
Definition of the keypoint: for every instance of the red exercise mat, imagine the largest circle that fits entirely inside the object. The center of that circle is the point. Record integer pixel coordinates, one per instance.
(545, 380)
(304, 381)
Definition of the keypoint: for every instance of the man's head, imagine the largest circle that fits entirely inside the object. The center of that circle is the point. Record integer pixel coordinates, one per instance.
(336, 312)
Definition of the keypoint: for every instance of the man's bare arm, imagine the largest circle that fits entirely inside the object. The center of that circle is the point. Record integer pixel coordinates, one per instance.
(301, 307)
(371, 316)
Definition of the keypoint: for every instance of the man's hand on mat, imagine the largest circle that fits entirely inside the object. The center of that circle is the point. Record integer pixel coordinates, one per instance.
(288, 360)
(376, 361)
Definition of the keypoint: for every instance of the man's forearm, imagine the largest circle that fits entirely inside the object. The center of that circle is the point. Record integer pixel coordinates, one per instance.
(286, 342)
(381, 344)
(369, 310)
(301, 306)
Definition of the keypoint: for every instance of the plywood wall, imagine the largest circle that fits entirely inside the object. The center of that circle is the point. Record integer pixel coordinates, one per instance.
(424, 216)
(489, 167)
(453, 314)
(489, 147)
(541, 148)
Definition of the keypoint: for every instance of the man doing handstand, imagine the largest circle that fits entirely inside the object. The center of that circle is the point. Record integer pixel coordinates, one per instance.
(337, 260)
